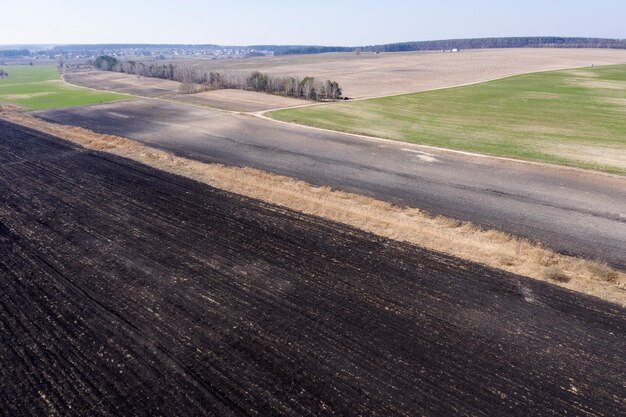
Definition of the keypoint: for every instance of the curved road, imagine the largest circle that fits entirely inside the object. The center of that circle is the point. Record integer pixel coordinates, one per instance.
(573, 212)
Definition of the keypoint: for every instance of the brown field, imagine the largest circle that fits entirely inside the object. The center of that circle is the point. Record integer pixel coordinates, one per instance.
(122, 83)
(238, 100)
(372, 75)
(232, 100)
(368, 75)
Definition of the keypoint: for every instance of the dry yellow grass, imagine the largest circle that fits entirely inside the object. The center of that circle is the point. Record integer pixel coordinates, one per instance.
(461, 239)
(9, 108)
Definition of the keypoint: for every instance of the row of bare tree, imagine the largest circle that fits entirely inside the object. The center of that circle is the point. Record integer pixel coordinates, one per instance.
(195, 78)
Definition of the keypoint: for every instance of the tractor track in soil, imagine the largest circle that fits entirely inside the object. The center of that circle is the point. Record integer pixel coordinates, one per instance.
(130, 291)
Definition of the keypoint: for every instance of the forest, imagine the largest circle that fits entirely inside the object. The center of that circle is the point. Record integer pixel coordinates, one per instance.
(480, 43)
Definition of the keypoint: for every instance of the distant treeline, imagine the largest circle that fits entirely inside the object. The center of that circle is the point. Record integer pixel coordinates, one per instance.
(301, 49)
(520, 42)
(117, 46)
(517, 42)
(195, 78)
(14, 53)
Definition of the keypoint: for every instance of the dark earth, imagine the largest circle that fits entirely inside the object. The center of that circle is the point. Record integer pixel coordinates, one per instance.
(129, 291)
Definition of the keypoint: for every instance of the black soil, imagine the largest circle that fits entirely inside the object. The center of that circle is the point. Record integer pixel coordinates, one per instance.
(128, 291)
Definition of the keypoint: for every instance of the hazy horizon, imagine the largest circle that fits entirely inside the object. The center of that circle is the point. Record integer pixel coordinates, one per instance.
(289, 44)
(279, 22)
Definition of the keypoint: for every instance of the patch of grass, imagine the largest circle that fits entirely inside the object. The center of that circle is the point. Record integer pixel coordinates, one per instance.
(572, 117)
(602, 272)
(41, 87)
(555, 273)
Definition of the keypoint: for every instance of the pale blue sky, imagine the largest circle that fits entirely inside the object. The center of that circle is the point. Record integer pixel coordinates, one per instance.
(322, 22)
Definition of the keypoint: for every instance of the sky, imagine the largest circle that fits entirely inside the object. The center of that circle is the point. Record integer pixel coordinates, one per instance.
(321, 22)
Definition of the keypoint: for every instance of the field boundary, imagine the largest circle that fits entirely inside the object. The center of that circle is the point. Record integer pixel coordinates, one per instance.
(96, 89)
(448, 150)
(461, 239)
(264, 115)
(503, 77)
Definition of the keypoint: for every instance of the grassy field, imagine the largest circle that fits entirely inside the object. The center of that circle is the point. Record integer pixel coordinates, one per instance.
(573, 117)
(41, 87)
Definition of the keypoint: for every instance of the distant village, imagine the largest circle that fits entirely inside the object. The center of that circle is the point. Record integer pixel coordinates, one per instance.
(84, 52)
(158, 53)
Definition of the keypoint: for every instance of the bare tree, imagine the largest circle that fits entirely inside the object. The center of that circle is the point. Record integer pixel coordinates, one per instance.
(188, 88)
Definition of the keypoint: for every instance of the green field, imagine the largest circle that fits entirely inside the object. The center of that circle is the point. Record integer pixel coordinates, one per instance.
(574, 117)
(41, 87)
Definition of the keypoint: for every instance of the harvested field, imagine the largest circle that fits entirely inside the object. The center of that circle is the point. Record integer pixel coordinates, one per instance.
(239, 100)
(233, 100)
(373, 75)
(129, 290)
(123, 83)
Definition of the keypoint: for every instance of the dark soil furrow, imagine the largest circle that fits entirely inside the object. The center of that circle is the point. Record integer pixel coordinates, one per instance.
(128, 291)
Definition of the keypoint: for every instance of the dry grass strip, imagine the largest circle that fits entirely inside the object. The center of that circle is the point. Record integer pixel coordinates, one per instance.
(461, 239)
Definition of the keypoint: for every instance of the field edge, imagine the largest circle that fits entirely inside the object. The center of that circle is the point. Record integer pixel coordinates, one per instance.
(460, 239)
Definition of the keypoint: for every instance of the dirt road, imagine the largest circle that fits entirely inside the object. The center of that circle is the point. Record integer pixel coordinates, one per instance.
(579, 213)
(126, 290)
